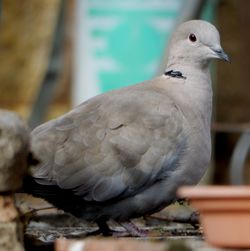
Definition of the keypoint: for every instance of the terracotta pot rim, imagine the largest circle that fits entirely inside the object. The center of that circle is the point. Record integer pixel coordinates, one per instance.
(214, 192)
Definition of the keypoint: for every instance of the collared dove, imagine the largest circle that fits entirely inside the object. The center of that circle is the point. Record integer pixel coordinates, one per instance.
(123, 154)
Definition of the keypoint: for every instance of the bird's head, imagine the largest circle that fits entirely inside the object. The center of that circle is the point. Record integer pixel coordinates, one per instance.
(195, 42)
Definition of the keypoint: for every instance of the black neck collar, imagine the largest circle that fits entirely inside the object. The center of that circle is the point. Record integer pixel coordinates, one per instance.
(174, 74)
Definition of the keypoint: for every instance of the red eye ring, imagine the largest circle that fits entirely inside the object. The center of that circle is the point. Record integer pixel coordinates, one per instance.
(192, 37)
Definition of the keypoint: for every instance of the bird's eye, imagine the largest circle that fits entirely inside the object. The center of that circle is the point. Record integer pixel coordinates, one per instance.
(192, 38)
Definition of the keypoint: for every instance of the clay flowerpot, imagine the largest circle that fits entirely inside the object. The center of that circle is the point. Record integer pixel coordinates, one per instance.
(224, 213)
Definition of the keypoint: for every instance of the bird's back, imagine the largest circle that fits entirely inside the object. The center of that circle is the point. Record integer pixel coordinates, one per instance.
(111, 147)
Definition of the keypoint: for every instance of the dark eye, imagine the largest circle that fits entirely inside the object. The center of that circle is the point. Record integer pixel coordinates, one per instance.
(192, 37)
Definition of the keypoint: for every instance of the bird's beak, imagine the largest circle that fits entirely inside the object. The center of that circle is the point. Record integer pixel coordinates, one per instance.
(222, 54)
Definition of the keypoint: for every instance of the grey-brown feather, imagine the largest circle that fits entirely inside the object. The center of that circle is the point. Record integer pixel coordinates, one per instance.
(105, 155)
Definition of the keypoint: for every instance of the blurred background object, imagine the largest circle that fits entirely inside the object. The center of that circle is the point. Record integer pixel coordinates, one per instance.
(55, 54)
(14, 152)
(232, 100)
(118, 43)
(26, 32)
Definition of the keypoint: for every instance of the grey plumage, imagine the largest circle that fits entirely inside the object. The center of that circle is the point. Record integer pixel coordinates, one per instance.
(123, 154)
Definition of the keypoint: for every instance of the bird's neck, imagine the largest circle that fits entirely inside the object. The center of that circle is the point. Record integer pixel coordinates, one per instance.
(195, 93)
(198, 76)
(188, 61)
(187, 67)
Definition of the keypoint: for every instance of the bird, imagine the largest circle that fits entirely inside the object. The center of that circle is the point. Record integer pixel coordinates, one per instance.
(124, 153)
(14, 150)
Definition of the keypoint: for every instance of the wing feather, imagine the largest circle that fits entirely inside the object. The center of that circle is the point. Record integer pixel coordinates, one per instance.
(111, 146)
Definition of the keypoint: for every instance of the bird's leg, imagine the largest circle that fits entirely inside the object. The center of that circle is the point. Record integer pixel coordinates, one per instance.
(132, 229)
(104, 228)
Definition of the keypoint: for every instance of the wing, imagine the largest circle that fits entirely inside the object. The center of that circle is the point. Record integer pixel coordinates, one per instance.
(112, 145)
